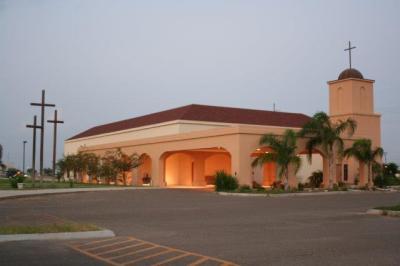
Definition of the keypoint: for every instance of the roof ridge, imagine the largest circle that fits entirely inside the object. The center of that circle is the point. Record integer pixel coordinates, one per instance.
(241, 108)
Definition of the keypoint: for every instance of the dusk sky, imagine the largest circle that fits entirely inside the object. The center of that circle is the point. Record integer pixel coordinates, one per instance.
(103, 61)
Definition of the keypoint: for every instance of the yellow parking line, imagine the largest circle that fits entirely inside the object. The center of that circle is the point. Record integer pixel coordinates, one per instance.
(95, 257)
(198, 262)
(95, 242)
(111, 261)
(147, 257)
(132, 253)
(190, 253)
(108, 245)
(170, 259)
(119, 249)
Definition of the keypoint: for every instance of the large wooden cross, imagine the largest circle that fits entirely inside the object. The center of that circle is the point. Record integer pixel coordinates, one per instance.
(42, 104)
(34, 127)
(55, 121)
(349, 49)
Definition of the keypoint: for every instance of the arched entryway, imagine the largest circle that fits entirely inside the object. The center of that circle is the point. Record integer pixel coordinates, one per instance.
(179, 169)
(214, 163)
(195, 167)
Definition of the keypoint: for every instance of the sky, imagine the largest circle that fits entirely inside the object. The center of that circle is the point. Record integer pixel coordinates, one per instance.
(103, 61)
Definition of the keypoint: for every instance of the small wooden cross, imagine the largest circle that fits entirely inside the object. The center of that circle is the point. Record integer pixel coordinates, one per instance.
(34, 127)
(349, 49)
(55, 121)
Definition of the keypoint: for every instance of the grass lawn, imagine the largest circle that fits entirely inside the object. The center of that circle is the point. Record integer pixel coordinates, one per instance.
(389, 208)
(5, 185)
(51, 228)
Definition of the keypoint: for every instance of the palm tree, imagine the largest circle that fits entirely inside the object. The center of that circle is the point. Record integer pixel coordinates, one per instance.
(283, 154)
(327, 135)
(365, 155)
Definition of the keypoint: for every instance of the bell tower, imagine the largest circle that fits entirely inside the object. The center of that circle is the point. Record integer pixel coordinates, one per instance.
(352, 96)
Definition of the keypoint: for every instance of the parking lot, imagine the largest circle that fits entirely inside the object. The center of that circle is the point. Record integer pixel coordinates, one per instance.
(314, 230)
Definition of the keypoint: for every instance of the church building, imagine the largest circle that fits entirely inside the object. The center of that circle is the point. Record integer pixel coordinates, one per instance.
(185, 146)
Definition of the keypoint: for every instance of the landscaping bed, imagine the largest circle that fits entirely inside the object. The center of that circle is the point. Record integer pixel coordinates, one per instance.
(34, 225)
(6, 185)
(50, 228)
(389, 208)
(393, 211)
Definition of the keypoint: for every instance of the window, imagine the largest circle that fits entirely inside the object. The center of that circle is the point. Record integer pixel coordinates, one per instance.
(345, 172)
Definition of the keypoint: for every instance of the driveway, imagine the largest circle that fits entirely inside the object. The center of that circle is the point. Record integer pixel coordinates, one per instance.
(314, 230)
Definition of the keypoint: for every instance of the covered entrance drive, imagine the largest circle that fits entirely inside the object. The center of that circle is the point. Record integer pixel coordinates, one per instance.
(195, 167)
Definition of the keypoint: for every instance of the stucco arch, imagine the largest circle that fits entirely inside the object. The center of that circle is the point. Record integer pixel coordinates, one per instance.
(194, 167)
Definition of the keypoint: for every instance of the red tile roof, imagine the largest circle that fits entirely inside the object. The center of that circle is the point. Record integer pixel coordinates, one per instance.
(196, 112)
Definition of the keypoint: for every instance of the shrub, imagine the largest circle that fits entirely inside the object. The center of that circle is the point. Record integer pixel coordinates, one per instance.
(244, 188)
(383, 181)
(356, 181)
(256, 185)
(341, 184)
(11, 172)
(335, 187)
(16, 179)
(300, 186)
(316, 179)
(278, 185)
(225, 182)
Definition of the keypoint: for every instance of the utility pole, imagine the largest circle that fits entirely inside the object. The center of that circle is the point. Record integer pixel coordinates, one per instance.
(42, 104)
(34, 127)
(55, 121)
(23, 156)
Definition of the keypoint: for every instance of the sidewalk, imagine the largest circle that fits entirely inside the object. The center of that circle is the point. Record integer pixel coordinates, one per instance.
(4, 194)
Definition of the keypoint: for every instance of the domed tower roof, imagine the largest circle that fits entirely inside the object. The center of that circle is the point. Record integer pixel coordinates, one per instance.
(350, 73)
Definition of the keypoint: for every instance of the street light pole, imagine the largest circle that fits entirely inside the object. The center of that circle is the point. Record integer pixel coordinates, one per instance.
(23, 157)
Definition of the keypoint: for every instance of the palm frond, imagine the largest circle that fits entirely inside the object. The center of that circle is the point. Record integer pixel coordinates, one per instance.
(296, 162)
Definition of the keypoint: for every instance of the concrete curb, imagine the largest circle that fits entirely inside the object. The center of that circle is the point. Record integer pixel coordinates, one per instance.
(384, 212)
(285, 195)
(9, 194)
(57, 236)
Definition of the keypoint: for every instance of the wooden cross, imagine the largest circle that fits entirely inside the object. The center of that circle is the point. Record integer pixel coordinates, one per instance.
(55, 121)
(34, 127)
(42, 104)
(349, 49)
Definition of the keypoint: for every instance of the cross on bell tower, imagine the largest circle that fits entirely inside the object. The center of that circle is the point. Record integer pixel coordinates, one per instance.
(349, 49)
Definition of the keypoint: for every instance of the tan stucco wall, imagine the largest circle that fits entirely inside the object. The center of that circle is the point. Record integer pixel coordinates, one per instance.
(354, 98)
(239, 141)
(156, 130)
(217, 162)
(178, 170)
(307, 168)
(351, 96)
